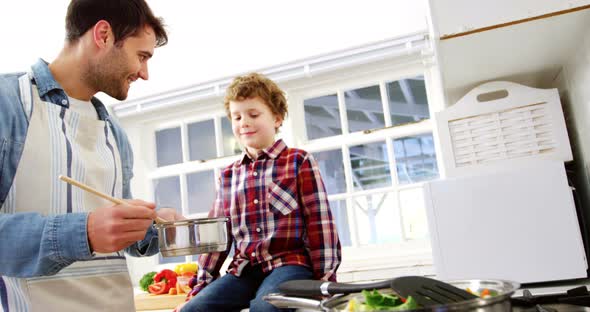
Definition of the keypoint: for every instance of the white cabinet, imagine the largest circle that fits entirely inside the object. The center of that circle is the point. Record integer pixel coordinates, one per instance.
(455, 17)
(541, 44)
(526, 42)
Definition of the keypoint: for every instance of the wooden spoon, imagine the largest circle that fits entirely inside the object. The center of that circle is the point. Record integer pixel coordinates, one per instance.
(99, 194)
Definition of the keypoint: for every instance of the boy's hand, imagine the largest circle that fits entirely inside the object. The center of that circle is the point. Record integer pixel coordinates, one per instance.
(115, 227)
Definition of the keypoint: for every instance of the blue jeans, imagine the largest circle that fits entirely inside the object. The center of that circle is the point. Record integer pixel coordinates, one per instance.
(232, 293)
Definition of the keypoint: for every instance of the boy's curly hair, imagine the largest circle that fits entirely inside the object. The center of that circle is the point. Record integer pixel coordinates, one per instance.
(255, 84)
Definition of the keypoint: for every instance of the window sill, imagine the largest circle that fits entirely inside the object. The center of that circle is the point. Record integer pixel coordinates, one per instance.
(362, 264)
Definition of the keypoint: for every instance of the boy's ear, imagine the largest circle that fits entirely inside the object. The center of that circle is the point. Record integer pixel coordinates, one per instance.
(278, 121)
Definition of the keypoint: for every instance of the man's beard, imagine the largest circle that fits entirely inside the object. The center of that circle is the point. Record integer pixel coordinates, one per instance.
(109, 75)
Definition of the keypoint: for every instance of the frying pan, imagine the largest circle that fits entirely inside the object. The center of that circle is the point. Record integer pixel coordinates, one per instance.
(338, 303)
(426, 291)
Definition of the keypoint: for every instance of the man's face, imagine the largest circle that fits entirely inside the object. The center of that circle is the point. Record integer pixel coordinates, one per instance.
(122, 64)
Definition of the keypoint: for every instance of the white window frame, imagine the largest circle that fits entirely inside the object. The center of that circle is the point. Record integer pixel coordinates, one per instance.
(387, 255)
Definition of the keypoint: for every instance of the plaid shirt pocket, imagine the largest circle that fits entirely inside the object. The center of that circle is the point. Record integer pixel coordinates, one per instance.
(283, 195)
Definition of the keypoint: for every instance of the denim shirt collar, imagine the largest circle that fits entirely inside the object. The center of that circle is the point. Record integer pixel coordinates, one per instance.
(51, 91)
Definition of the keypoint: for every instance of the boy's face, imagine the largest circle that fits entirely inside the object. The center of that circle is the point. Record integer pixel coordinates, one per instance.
(253, 124)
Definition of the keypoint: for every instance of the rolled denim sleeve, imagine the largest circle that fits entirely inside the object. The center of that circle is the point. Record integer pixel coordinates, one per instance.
(35, 245)
(149, 246)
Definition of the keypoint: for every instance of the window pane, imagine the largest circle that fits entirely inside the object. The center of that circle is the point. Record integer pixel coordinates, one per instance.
(407, 100)
(370, 166)
(167, 192)
(340, 215)
(332, 170)
(377, 218)
(168, 147)
(165, 260)
(201, 140)
(322, 117)
(414, 213)
(364, 109)
(415, 158)
(230, 144)
(201, 191)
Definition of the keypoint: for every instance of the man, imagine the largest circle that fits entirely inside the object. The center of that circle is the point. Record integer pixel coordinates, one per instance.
(60, 247)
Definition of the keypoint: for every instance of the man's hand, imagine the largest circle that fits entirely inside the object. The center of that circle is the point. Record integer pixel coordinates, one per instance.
(116, 227)
(169, 214)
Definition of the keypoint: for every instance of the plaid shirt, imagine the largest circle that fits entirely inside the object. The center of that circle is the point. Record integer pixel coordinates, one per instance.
(279, 215)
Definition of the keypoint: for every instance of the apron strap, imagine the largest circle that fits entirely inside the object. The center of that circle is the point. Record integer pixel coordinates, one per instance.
(26, 94)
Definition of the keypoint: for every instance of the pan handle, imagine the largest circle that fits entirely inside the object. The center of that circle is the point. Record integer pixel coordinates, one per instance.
(284, 302)
(314, 288)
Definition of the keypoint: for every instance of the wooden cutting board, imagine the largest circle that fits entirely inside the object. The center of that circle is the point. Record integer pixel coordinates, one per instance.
(157, 302)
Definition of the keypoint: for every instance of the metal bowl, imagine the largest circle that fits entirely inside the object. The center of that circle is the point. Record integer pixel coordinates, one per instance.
(193, 236)
(338, 303)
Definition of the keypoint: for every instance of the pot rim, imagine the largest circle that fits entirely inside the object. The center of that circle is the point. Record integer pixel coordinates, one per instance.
(191, 222)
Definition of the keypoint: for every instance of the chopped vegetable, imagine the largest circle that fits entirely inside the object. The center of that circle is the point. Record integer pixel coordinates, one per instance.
(182, 288)
(408, 305)
(485, 293)
(187, 274)
(158, 288)
(375, 301)
(146, 280)
(168, 277)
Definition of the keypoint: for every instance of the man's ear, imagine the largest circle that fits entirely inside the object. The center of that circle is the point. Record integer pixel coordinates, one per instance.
(102, 34)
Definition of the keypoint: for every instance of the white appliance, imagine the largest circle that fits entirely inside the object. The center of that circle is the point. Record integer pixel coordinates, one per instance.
(518, 225)
(504, 209)
(501, 124)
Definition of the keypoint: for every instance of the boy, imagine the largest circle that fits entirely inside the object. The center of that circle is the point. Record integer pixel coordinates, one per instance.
(281, 224)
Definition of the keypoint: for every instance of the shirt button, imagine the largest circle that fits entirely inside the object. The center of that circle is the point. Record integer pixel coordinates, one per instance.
(253, 254)
(268, 196)
(258, 230)
(254, 173)
(64, 102)
(256, 201)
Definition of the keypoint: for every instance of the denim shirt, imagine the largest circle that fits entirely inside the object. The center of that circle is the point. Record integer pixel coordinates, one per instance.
(32, 244)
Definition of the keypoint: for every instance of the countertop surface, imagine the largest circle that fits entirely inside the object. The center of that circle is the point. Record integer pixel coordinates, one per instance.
(152, 303)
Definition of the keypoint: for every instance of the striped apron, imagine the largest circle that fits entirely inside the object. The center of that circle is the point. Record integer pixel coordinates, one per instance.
(62, 142)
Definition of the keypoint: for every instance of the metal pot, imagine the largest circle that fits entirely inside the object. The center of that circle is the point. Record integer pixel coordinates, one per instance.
(338, 303)
(193, 236)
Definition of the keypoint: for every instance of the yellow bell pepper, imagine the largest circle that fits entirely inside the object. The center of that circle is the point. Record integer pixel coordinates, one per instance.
(186, 267)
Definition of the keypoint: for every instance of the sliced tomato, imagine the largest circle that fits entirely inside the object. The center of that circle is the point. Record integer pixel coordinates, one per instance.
(158, 288)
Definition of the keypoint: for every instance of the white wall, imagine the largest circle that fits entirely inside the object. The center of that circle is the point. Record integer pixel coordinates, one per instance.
(574, 85)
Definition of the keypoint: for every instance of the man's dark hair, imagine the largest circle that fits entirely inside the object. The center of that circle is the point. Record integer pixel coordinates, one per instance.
(127, 18)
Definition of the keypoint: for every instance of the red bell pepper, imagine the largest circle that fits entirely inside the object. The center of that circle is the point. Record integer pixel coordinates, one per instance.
(167, 276)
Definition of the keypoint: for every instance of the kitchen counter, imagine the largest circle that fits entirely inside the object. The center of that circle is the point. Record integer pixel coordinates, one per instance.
(154, 303)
